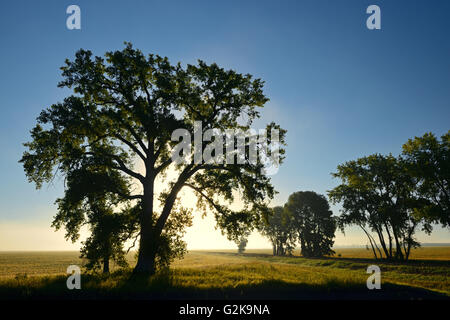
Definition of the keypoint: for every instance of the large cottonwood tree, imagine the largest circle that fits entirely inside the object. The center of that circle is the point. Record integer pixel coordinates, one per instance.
(125, 108)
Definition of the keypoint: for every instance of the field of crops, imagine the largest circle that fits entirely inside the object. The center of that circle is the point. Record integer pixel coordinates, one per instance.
(226, 274)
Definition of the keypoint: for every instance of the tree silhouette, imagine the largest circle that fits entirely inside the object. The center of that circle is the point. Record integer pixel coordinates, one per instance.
(278, 228)
(379, 195)
(125, 108)
(313, 221)
(242, 245)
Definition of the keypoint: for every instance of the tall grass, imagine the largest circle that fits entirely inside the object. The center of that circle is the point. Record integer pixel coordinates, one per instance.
(220, 275)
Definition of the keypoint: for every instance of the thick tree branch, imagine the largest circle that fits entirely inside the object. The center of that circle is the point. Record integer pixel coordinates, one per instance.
(163, 165)
(199, 191)
(131, 146)
(121, 165)
(131, 197)
(188, 172)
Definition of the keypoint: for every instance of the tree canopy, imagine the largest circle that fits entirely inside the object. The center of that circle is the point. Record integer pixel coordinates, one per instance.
(277, 227)
(122, 115)
(306, 218)
(379, 195)
(313, 222)
(429, 163)
(394, 196)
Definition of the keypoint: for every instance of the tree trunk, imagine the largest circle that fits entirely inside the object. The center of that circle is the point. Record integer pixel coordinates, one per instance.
(408, 251)
(150, 234)
(398, 247)
(147, 253)
(371, 243)
(379, 231)
(390, 238)
(147, 243)
(409, 240)
(302, 246)
(106, 265)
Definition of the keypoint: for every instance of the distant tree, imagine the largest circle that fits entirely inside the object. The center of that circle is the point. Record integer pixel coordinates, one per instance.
(379, 195)
(428, 161)
(243, 240)
(277, 227)
(125, 109)
(313, 221)
(242, 245)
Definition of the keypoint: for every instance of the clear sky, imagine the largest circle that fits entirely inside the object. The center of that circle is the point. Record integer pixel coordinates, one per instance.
(342, 91)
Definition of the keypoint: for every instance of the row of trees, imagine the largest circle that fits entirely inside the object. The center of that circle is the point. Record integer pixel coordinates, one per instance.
(306, 219)
(390, 198)
(123, 111)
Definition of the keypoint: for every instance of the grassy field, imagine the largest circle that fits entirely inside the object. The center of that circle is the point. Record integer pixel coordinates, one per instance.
(225, 274)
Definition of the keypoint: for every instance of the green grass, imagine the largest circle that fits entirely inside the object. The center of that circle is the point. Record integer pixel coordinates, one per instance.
(225, 274)
(36, 262)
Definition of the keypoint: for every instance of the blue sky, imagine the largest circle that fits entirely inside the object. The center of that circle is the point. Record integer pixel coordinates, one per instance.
(341, 90)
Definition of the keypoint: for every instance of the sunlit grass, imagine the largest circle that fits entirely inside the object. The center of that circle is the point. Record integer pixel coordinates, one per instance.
(203, 274)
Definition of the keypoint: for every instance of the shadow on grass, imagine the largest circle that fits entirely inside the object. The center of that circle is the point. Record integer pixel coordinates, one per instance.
(162, 287)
